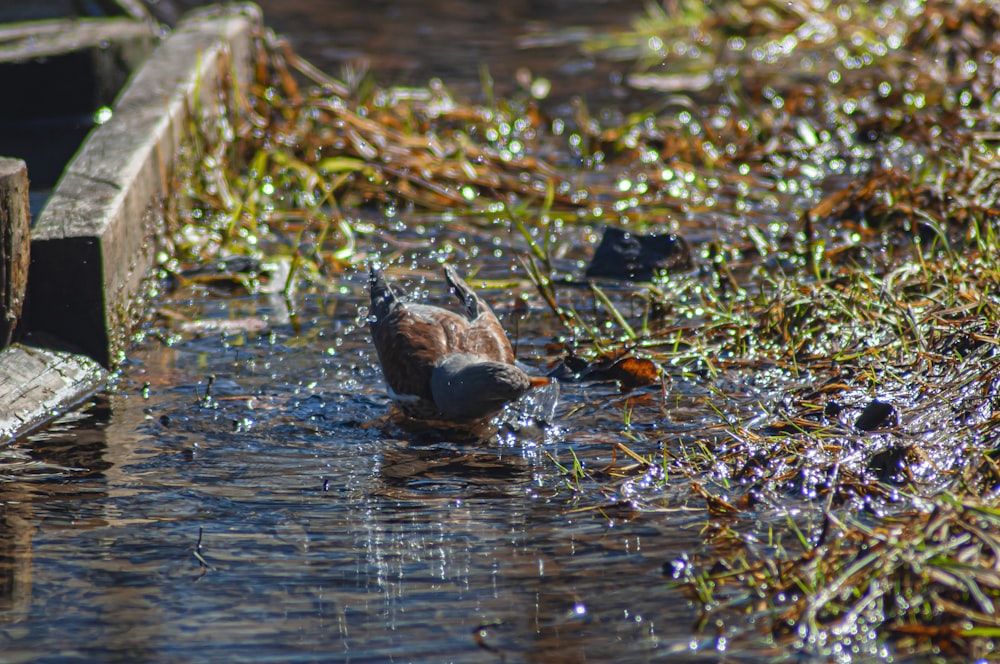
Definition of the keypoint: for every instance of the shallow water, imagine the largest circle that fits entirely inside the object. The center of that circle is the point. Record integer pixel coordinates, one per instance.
(325, 533)
(408, 42)
(240, 497)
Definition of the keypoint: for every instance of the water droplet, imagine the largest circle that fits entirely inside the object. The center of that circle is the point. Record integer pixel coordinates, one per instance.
(102, 115)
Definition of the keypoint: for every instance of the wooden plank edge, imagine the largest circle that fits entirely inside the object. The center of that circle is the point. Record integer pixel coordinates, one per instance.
(102, 197)
(42, 39)
(37, 385)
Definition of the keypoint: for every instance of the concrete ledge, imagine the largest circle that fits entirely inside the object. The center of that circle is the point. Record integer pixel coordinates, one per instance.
(91, 249)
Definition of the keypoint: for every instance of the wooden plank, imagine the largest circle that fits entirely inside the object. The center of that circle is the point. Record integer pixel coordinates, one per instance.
(37, 384)
(15, 223)
(41, 39)
(60, 80)
(92, 246)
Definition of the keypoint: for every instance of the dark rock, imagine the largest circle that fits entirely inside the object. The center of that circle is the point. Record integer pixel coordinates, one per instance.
(628, 256)
(890, 464)
(876, 414)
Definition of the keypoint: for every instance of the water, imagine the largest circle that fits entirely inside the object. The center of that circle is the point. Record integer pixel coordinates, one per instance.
(275, 516)
(240, 497)
(407, 42)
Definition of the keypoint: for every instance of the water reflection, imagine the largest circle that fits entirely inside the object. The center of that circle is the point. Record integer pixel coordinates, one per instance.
(73, 446)
(15, 563)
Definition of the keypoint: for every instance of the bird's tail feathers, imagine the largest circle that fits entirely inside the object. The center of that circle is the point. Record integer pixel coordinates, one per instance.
(473, 305)
(383, 297)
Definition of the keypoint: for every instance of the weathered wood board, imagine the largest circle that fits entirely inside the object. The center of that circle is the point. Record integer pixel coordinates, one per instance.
(91, 249)
(39, 384)
(92, 245)
(15, 223)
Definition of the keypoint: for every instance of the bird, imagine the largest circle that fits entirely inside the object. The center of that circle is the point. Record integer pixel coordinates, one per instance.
(441, 365)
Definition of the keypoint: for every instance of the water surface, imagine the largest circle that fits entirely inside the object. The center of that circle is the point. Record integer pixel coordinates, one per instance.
(325, 533)
(239, 495)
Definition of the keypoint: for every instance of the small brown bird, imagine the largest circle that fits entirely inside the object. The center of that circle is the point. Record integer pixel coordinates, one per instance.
(439, 365)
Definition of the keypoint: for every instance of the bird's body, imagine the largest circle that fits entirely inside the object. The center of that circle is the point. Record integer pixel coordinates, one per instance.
(440, 365)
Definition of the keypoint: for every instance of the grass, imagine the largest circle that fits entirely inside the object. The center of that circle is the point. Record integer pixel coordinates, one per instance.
(837, 171)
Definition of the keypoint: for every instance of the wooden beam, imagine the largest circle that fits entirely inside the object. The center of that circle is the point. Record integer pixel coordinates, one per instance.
(38, 384)
(15, 223)
(93, 244)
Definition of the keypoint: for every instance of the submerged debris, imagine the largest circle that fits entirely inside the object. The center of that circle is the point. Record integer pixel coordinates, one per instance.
(635, 257)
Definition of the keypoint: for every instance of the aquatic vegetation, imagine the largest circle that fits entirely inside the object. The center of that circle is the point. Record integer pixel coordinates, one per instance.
(836, 173)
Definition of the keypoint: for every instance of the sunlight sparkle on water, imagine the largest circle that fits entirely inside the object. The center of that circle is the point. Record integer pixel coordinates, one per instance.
(102, 115)
(540, 88)
(915, 99)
